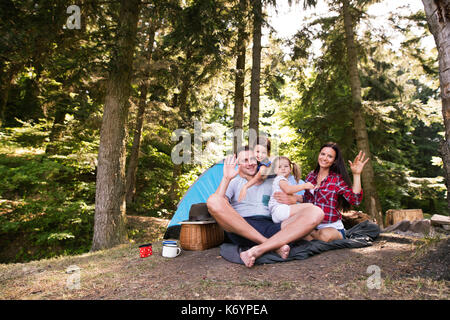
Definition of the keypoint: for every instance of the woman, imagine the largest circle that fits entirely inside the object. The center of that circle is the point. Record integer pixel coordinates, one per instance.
(333, 190)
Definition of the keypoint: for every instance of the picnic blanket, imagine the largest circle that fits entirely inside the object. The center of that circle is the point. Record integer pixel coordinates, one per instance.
(359, 236)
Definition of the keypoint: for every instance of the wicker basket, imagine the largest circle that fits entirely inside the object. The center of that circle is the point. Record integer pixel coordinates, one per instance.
(200, 235)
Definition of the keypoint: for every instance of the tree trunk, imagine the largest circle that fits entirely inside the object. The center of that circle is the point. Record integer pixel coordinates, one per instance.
(134, 154)
(438, 17)
(174, 188)
(185, 121)
(256, 68)
(110, 218)
(4, 98)
(7, 80)
(182, 102)
(239, 89)
(57, 131)
(372, 202)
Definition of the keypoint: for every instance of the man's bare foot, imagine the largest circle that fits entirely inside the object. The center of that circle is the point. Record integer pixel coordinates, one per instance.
(249, 257)
(283, 252)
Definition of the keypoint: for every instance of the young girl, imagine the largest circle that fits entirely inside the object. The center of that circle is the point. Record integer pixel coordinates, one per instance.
(283, 168)
(262, 153)
(333, 190)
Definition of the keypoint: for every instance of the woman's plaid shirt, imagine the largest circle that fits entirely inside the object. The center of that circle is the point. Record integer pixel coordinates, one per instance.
(326, 196)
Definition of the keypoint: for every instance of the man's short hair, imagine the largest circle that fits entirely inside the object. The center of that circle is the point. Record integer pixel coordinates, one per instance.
(244, 148)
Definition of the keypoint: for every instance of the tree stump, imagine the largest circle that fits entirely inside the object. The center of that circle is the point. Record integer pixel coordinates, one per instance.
(394, 216)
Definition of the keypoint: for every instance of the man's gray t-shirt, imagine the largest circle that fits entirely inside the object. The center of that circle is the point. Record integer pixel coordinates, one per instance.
(255, 202)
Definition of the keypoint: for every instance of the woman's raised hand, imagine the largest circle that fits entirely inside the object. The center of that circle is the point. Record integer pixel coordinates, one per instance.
(358, 164)
(229, 167)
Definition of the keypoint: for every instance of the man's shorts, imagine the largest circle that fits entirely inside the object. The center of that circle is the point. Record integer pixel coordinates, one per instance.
(262, 224)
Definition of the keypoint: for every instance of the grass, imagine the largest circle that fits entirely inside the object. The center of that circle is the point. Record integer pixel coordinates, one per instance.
(119, 273)
(426, 243)
(258, 284)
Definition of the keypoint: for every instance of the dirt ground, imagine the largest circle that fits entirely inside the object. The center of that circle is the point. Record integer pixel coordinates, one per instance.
(394, 267)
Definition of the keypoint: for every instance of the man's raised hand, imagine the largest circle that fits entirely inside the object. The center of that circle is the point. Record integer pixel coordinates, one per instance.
(229, 167)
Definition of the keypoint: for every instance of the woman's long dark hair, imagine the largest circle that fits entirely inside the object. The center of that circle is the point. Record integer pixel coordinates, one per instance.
(338, 167)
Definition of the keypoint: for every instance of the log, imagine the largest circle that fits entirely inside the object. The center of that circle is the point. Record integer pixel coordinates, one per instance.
(418, 227)
(394, 216)
(438, 219)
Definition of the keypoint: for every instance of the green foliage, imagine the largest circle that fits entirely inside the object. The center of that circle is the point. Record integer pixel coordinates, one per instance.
(48, 228)
(155, 180)
(50, 206)
(153, 183)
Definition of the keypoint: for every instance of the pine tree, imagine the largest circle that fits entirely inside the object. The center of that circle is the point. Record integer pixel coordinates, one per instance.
(110, 206)
(438, 16)
(372, 201)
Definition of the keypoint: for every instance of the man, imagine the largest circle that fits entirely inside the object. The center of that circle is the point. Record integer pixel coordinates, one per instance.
(249, 223)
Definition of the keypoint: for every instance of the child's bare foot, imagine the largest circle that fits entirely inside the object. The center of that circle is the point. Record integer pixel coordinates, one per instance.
(283, 252)
(249, 257)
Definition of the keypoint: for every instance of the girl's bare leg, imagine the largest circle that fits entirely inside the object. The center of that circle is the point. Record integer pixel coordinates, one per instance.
(327, 234)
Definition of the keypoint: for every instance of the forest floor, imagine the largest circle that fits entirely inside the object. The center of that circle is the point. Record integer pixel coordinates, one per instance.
(410, 268)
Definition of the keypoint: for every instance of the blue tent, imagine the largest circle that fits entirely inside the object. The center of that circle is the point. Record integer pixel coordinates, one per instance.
(199, 192)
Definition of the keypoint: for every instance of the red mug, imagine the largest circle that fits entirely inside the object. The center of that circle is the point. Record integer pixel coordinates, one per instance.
(145, 250)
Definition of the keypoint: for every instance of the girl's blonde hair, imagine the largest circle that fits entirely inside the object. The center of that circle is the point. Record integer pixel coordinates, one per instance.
(295, 169)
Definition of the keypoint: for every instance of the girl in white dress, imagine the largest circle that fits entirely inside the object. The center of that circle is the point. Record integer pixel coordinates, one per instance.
(284, 168)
